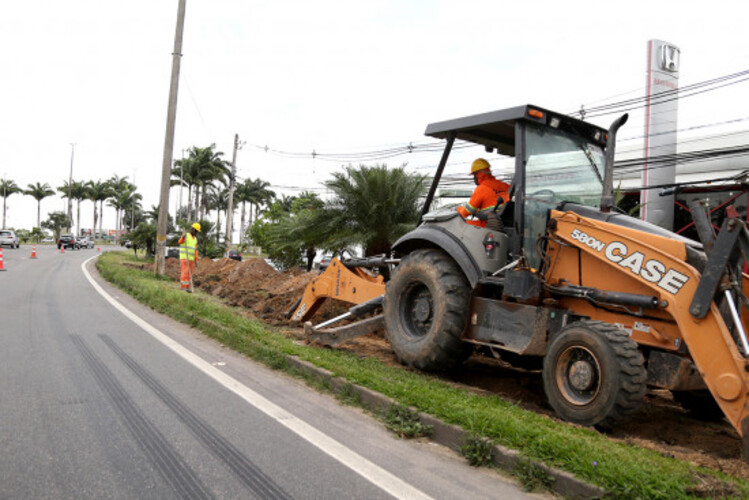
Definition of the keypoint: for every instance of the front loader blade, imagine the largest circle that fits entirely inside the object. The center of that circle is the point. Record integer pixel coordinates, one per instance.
(335, 336)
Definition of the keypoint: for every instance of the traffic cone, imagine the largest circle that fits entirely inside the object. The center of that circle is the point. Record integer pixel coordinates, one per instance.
(2, 266)
(98, 249)
(33, 252)
(62, 248)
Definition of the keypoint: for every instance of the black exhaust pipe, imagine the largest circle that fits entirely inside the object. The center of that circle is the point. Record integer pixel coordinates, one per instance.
(607, 200)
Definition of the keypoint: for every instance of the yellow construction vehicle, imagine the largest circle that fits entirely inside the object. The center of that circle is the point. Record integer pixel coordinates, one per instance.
(603, 303)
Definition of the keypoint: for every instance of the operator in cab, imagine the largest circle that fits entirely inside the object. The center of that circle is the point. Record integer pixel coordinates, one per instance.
(488, 192)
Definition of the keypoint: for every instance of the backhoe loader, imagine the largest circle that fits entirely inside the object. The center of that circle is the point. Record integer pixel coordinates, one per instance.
(603, 303)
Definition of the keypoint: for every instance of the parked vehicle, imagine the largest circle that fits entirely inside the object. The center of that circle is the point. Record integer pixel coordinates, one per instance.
(84, 242)
(172, 252)
(68, 241)
(234, 255)
(9, 238)
(324, 262)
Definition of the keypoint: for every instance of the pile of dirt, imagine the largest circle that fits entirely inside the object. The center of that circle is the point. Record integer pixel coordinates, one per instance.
(661, 424)
(254, 285)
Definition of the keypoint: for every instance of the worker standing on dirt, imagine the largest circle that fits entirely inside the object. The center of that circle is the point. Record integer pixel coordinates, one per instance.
(488, 191)
(188, 256)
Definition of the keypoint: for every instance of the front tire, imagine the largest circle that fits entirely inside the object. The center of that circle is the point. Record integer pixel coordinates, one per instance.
(594, 374)
(426, 309)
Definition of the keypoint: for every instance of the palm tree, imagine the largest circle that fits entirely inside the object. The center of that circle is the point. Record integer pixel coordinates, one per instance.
(124, 201)
(153, 214)
(256, 193)
(373, 206)
(202, 168)
(39, 192)
(65, 190)
(115, 201)
(303, 227)
(79, 192)
(7, 187)
(98, 192)
(117, 187)
(181, 174)
(218, 199)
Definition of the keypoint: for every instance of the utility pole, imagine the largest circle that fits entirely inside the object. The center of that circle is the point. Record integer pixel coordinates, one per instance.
(166, 166)
(70, 184)
(232, 185)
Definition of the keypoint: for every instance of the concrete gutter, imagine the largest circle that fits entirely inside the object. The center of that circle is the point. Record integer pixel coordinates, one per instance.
(451, 436)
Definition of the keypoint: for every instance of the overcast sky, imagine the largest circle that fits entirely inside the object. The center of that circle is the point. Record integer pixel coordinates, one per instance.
(330, 76)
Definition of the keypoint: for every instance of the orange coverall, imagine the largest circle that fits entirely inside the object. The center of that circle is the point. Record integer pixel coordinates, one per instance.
(485, 196)
(188, 254)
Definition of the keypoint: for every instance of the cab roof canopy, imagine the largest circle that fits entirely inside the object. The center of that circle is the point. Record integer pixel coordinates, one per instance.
(495, 130)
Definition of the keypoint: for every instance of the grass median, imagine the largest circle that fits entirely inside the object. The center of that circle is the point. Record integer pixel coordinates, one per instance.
(625, 471)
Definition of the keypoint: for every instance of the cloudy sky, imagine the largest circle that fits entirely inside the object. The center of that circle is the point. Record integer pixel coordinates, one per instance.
(327, 76)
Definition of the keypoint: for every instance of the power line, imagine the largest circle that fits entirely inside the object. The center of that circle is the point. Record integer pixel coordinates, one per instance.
(665, 96)
(685, 129)
(363, 156)
(631, 104)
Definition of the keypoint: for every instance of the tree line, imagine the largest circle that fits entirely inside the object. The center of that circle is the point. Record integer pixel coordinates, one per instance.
(117, 191)
(369, 208)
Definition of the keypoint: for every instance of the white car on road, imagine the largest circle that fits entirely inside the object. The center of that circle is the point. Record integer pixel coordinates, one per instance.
(84, 242)
(9, 238)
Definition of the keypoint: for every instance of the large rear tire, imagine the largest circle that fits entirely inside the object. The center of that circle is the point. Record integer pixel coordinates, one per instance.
(426, 309)
(594, 374)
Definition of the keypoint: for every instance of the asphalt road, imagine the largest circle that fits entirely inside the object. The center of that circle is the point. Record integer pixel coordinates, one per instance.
(103, 398)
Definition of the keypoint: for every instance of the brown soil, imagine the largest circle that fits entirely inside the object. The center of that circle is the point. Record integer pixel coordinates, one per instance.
(661, 424)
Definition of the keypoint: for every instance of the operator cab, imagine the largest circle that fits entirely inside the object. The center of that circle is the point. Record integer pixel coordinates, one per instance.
(557, 159)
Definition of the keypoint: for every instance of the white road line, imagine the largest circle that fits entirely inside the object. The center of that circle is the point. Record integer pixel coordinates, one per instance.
(368, 470)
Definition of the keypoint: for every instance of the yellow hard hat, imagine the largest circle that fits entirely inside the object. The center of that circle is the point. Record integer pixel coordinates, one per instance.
(196, 226)
(479, 164)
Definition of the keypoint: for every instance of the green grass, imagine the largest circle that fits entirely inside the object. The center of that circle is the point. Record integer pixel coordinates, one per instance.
(625, 471)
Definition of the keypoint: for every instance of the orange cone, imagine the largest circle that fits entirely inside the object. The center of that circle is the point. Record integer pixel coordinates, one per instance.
(2, 266)
(33, 252)
(62, 248)
(98, 249)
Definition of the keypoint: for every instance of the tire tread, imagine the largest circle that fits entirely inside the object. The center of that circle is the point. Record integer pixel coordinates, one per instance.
(631, 367)
(447, 349)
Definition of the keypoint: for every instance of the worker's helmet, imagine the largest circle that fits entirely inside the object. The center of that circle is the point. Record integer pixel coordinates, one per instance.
(479, 164)
(196, 226)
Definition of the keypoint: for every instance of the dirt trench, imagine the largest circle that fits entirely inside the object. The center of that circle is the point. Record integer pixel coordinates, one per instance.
(661, 424)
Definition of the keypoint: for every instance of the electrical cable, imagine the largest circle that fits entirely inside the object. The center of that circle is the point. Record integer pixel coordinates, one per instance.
(665, 96)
